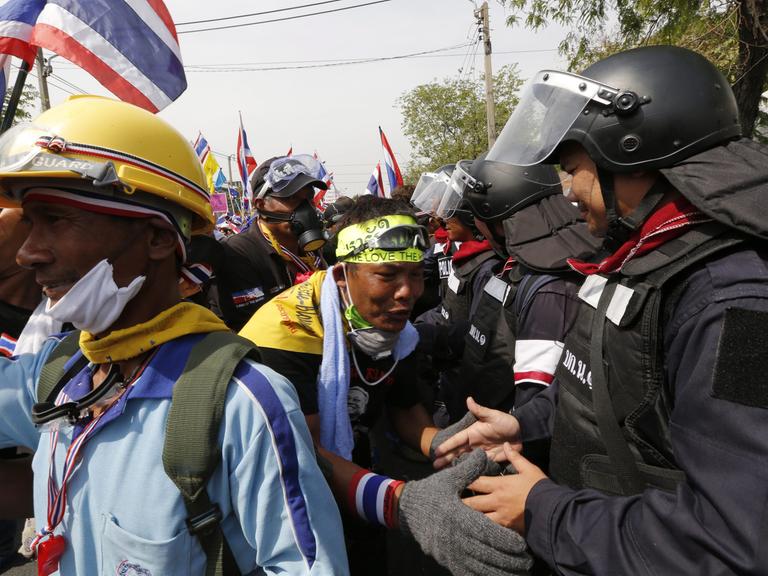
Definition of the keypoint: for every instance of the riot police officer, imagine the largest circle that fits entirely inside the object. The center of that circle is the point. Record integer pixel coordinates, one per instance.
(661, 394)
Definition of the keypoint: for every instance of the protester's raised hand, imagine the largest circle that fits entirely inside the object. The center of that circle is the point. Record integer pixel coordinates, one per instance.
(491, 430)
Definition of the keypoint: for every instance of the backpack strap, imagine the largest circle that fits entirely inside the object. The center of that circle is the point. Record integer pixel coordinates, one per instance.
(191, 452)
(51, 379)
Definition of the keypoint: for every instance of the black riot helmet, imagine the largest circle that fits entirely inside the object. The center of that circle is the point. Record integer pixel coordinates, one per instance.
(642, 109)
(542, 229)
(496, 190)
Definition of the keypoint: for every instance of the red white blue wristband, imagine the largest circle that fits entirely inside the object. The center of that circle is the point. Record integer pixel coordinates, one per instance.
(372, 498)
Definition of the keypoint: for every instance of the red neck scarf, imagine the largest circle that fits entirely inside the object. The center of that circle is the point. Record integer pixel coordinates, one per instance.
(469, 249)
(670, 219)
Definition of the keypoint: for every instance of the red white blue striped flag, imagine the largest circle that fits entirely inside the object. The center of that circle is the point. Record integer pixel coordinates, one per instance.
(130, 46)
(393, 170)
(375, 184)
(246, 163)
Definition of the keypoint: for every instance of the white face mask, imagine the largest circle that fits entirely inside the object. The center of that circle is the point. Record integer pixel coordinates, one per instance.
(95, 302)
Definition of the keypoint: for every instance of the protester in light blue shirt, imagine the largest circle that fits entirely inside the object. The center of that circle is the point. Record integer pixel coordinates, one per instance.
(113, 193)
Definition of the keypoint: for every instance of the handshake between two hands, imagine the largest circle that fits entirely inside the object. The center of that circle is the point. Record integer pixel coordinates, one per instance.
(501, 497)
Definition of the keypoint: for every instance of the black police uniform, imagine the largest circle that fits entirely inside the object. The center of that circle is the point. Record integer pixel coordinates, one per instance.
(523, 316)
(661, 397)
(442, 330)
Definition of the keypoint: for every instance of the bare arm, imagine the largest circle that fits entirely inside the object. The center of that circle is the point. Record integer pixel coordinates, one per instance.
(414, 427)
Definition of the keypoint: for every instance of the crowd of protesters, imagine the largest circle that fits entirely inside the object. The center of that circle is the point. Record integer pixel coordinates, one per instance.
(544, 360)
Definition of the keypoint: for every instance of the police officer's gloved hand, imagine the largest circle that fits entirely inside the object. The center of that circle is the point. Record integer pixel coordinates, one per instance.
(463, 540)
(467, 420)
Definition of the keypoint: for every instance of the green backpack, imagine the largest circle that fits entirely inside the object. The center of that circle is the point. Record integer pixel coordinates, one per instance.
(191, 451)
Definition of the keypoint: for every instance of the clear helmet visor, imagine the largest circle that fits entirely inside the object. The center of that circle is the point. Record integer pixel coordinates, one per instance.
(549, 105)
(430, 190)
(19, 145)
(461, 182)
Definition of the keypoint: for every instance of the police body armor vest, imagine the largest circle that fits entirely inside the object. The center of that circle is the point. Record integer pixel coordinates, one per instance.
(444, 267)
(457, 298)
(611, 427)
(487, 368)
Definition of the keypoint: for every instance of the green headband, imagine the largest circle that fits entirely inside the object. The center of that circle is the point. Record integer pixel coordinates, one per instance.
(356, 235)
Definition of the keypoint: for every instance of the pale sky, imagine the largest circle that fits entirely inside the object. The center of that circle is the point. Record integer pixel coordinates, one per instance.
(334, 110)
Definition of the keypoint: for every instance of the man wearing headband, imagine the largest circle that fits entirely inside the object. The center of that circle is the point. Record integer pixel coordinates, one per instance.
(162, 447)
(659, 435)
(281, 247)
(344, 340)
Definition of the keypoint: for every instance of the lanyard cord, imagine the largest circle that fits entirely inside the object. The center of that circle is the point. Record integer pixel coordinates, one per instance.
(57, 497)
(360, 372)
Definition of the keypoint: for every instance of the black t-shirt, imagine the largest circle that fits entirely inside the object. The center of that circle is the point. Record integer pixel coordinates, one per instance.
(365, 402)
(250, 274)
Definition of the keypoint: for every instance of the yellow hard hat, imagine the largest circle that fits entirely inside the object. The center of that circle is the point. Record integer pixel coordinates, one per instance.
(107, 145)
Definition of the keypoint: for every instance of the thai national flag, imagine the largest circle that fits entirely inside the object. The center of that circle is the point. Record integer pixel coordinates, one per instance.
(393, 170)
(130, 46)
(325, 176)
(246, 163)
(202, 149)
(5, 73)
(7, 345)
(17, 20)
(375, 184)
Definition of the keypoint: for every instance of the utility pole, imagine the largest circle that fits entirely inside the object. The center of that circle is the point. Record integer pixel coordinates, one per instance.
(45, 101)
(490, 106)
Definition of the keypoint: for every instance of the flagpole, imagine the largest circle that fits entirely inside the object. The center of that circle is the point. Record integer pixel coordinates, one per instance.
(13, 103)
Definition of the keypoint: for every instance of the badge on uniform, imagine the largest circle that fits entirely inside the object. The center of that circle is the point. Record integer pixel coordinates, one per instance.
(49, 552)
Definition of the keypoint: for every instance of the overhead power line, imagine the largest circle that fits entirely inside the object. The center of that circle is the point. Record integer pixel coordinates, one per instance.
(229, 26)
(256, 13)
(327, 64)
(33, 75)
(235, 66)
(67, 83)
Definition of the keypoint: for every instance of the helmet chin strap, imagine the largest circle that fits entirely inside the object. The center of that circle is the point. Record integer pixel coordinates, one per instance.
(620, 228)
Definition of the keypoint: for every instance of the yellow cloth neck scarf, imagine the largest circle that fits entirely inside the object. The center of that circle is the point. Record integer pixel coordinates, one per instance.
(309, 259)
(180, 320)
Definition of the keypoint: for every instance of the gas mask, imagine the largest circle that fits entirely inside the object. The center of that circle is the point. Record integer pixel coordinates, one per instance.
(305, 225)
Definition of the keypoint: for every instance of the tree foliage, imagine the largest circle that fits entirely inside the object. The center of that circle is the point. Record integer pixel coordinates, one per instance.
(26, 102)
(733, 34)
(444, 120)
